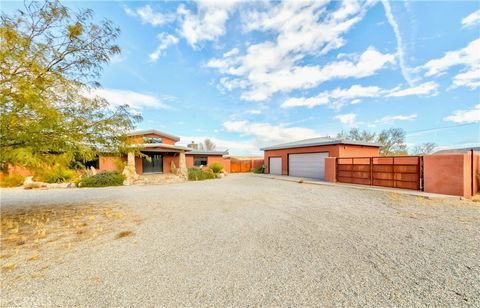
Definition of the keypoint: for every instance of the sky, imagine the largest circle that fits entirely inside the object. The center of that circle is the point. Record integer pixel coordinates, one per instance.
(248, 74)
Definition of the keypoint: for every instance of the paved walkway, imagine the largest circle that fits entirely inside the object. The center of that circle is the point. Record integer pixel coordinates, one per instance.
(364, 187)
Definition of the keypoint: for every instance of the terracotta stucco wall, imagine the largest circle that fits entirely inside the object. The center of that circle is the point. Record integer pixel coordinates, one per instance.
(331, 169)
(110, 163)
(225, 162)
(138, 165)
(211, 159)
(167, 159)
(189, 161)
(332, 150)
(357, 151)
(447, 174)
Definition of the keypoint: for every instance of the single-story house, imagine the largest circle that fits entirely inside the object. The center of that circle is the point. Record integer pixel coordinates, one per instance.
(306, 158)
(162, 150)
(199, 158)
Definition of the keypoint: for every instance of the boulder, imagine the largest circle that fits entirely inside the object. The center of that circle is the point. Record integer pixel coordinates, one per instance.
(29, 183)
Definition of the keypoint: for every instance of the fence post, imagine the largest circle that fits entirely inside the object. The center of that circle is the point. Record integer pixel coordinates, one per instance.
(371, 171)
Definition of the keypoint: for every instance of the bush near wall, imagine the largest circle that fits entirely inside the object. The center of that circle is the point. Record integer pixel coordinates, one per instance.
(13, 180)
(260, 169)
(216, 167)
(102, 179)
(56, 174)
(195, 174)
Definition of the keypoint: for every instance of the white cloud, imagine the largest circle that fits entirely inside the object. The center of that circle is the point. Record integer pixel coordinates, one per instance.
(471, 19)
(253, 111)
(338, 97)
(261, 85)
(391, 119)
(148, 16)
(208, 23)
(400, 51)
(348, 119)
(468, 58)
(134, 100)
(267, 134)
(301, 29)
(465, 116)
(165, 40)
(427, 88)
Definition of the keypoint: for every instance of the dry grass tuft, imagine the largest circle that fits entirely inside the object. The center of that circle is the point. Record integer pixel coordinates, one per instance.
(124, 234)
(9, 267)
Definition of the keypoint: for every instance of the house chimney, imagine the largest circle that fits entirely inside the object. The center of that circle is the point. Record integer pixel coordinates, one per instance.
(193, 145)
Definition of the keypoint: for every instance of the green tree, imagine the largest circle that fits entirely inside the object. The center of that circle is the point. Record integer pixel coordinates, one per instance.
(392, 140)
(50, 59)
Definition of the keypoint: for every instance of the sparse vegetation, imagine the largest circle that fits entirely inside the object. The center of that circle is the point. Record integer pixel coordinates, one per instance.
(260, 169)
(102, 179)
(216, 167)
(56, 174)
(13, 180)
(28, 234)
(196, 174)
(124, 234)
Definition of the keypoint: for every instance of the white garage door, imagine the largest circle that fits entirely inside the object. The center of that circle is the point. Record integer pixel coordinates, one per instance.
(308, 165)
(275, 165)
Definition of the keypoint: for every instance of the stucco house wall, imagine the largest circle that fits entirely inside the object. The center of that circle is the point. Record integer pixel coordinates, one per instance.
(337, 150)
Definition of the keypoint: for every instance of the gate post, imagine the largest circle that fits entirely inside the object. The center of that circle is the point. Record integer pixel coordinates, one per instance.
(371, 171)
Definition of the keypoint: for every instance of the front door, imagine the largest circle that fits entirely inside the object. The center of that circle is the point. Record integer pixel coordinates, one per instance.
(154, 164)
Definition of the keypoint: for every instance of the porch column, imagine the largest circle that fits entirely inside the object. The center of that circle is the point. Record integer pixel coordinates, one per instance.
(182, 165)
(129, 171)
(131, 160)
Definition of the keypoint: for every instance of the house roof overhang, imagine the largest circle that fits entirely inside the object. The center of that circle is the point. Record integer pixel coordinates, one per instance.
(153, 131)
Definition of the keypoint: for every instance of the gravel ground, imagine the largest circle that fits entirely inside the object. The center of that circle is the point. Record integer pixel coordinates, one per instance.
(251, 241)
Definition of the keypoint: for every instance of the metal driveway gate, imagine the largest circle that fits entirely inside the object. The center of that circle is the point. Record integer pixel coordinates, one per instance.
(388, 171)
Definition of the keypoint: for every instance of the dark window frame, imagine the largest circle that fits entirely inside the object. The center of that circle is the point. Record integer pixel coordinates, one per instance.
(200, 161)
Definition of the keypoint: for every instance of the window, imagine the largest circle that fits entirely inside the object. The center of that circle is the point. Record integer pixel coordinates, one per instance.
(200, 161)
(152, 140)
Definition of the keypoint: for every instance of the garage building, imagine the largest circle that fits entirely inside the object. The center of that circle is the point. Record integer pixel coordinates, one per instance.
(306, 158)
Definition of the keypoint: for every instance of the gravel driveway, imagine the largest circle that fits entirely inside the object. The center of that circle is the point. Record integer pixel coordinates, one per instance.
(251, 241)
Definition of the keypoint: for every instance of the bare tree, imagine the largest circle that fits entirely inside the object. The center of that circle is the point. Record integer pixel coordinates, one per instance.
(424, 148)
(207, 145)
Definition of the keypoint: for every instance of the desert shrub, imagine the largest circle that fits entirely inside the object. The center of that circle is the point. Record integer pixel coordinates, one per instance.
(56, 174)
(216, 167)
(102, 179)
(260, 169)
(13, 180)
(195, 174)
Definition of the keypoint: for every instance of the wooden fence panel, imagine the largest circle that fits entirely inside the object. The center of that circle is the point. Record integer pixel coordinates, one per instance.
(396, 171)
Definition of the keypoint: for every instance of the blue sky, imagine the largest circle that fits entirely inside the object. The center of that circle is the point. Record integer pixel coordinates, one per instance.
(251, 74)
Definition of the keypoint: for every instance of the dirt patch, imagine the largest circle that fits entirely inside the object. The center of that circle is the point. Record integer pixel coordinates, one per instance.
(29, 237)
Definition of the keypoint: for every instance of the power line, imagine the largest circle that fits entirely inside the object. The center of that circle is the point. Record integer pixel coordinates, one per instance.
(440, 128)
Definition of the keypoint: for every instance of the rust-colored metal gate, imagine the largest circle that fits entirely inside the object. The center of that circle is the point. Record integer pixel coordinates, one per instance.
(388, 171)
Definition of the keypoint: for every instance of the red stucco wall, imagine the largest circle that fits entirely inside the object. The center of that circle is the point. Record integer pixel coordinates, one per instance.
(332, 150)
(447, 174)
(109, 163)
(225, 162)
(331, 169)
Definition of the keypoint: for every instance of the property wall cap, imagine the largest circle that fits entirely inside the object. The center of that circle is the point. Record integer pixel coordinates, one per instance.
(153, 131)
(318, 141)
(212, 153)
